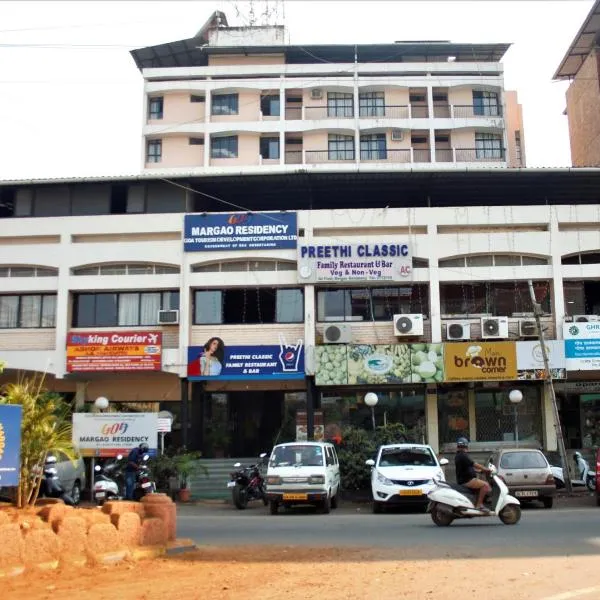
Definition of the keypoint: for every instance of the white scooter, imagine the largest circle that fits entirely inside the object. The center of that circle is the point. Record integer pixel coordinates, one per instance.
(586, 477)
(450, 501)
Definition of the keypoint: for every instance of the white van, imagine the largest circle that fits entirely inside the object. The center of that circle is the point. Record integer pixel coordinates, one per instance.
(303, 473)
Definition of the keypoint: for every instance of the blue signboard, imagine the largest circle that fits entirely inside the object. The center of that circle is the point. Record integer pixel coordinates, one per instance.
(240, 231)
(217, 361)
(10, 444)
(583, 354)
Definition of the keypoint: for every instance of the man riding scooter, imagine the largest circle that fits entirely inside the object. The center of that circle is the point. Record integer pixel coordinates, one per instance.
(466, 473)
(133, 464)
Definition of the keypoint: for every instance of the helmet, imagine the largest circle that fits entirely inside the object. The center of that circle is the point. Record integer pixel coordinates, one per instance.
(462, 442)
(144, 447)
(577, 455)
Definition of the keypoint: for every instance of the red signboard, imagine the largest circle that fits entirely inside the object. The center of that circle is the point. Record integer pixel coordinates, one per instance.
(114, 351)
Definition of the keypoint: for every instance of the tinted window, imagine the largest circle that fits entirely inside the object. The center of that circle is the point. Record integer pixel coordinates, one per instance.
(405, 457)
(523, 460)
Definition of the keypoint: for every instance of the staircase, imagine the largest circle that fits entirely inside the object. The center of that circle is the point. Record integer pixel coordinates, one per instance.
(214, 486)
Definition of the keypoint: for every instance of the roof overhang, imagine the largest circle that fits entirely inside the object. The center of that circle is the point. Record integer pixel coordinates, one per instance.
(583, 43)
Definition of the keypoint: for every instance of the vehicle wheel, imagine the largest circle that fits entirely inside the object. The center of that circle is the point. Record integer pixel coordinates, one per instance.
(441, 518)
(138, 495)
(548, 502)
(559, 484)
(597, 500)
(511, 514)
(273, 507)
(326, 505)
(591, 484)
(377, 507)
(240, 497)
(76, 493)
(334, 501)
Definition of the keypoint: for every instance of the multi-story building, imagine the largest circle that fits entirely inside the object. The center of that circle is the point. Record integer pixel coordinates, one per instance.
(581, 66)
(234, 97)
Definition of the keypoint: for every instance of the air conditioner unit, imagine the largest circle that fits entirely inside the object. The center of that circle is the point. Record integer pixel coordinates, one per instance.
(397, 135)
(408, 325)
(337, 333)
(586, 318)
(494, 328)
(527, 328)
(316, 93)
(168, 317)
(458, 330)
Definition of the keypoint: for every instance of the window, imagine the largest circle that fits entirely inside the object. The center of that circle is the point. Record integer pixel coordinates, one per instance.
(28, 311)
(248, 306)
(196, 141)
(518, 153)
(241, 266)
(371, 104)
(373, 147)
(340, 147)
(126, 309)
(488, 145)
(339, 104)
(28, 272)
(487, 260)
(371, 304)
(225, 104)
(269, 147)
(126, 269)
(269, 106)
(195, 98)
(486, 104)
(224, 147)
(154, 151)
(155, 107)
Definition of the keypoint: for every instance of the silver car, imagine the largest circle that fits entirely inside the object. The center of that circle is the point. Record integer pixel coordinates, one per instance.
(71, 474)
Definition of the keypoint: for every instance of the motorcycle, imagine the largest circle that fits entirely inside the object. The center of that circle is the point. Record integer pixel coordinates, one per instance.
(451, 501)
(247, 483)
(51, 486)
(587, 477)
(143, 482)
(109, 484)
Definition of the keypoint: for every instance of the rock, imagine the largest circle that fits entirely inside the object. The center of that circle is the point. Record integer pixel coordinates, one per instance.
(11, 549)
(129, 526)
(42, 549)
(104, 544)
(154, 532)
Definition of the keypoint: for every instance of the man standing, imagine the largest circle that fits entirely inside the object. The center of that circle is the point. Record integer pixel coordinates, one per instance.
(133, 464)
(466, 472)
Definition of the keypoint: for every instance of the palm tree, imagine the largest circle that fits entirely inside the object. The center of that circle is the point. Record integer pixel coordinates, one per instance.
(46, 425)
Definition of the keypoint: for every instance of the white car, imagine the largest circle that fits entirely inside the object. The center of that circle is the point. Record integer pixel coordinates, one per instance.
(303, 473)
(403, 474)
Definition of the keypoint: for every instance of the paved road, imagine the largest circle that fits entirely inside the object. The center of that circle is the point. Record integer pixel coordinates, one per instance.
(556, 532)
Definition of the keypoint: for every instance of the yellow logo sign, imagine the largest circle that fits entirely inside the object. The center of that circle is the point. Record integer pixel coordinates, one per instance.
(490, 361)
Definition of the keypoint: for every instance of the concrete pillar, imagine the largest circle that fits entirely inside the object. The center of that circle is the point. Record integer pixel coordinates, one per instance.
(435, 317)
(207, 105)
(472, 415)
(431, 417)
(550, 440)
(431, 119)
(58, 366)
(80, 393)
(558, 299)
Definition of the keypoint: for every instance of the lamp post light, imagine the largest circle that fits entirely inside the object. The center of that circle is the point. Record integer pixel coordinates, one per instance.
(515, 397)
(371, 401)
(101, 403)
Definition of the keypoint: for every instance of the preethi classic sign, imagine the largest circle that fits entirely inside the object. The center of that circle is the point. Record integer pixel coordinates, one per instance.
(354, 262)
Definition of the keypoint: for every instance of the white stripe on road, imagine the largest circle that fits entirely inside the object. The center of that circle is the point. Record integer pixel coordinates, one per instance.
(574, 594)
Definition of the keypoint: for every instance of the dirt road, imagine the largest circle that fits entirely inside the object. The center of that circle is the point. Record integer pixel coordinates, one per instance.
(275, 573)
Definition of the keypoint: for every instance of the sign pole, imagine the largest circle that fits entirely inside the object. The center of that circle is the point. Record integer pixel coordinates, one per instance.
(537, 310)
(92, 478)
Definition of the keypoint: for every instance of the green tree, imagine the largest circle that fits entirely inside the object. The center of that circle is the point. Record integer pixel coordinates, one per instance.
(46, 425)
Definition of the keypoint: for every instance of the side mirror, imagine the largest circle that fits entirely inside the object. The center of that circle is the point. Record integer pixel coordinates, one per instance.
(50, 459)
(370, 462)
(146, 456)
(119, 456)
(443, 462)
(97, 468)
(237, 465)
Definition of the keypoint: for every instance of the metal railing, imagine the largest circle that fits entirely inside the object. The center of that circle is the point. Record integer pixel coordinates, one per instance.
(389, 156)
(323, 156)
(468, 111)
(441, 110)
(421, 155)
(293, 157)
(328, 112)
(444, 155)
(480, 154)
(293, 113)
(388, 111)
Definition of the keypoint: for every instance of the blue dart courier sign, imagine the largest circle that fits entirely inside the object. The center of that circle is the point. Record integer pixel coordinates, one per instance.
(240, 231)
(10, 444)
(386, 261)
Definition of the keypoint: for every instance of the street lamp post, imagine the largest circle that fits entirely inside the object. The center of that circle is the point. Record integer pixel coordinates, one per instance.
(515, 397)
(371, 401)
(101, 403)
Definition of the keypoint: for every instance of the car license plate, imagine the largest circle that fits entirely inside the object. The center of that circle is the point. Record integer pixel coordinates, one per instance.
(230, 484)
(146, 485)
(526, 494)
(295, 496)
(100, 494)
(411, 493)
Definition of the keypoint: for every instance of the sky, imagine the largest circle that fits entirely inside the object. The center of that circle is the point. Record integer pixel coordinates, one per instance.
(71, 95)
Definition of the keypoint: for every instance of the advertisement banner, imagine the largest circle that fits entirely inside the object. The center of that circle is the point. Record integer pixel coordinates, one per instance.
(109, 434)
(91, 351)
(373, 364)
(480, 361)
(10, 444)
(354, 262)
(216, 361)
(582, 346)
(530, 362)
(240, 231)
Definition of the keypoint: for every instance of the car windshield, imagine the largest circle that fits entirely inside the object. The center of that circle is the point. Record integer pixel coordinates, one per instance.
(407, 457)
(297, 456)
(523, 460)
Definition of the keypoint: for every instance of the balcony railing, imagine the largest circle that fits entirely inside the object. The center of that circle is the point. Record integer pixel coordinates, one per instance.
(389, 111)
(293, 113)
(468, 111)
(396, 156)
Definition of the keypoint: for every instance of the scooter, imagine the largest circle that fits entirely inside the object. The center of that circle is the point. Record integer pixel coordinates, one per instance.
(247, 484)
(587, 477)
(143, 482)
(106, 486)
(450, 501)
(51, 486)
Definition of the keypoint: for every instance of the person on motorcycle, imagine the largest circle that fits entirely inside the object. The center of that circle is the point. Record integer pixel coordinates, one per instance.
(133, 464)
(581, 463)
(466, 472)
